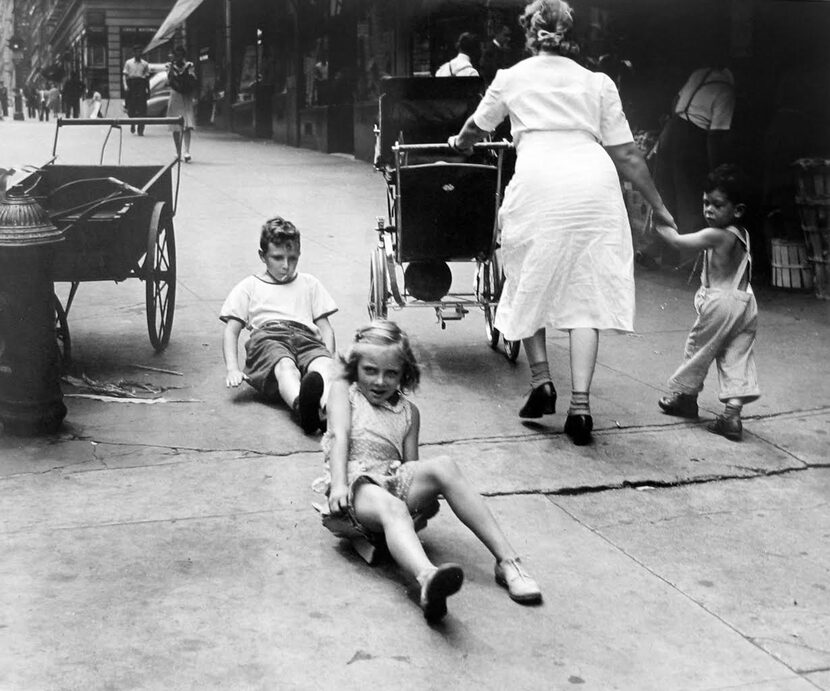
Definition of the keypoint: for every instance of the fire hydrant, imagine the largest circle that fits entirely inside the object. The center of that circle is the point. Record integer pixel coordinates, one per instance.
(31, 401)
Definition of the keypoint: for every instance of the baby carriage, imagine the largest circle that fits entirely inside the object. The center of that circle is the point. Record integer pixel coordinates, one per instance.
(442, 207)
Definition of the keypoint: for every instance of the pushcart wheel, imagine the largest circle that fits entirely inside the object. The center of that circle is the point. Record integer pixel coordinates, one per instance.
(62, 334)
(487, 293)
(490, 286)
(160, 277)
(377, 285)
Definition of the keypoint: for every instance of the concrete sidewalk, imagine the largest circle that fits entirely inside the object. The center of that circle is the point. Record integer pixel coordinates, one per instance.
(174, 546)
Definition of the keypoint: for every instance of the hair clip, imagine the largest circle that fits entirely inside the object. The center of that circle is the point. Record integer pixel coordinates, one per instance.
(544, 35)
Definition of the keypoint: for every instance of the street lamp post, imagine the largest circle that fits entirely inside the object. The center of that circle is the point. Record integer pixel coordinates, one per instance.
(17, 58)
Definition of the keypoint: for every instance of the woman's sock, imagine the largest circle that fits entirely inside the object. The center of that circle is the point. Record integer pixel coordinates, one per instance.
(579, 403)
(539, 374)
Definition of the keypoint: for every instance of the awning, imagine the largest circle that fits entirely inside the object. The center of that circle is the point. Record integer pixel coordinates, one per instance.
(180, 12)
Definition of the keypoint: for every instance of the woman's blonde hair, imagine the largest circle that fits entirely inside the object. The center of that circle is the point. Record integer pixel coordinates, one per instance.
(382, 332)
(547, 24)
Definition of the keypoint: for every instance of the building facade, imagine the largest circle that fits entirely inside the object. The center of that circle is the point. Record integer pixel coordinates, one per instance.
(87, 39)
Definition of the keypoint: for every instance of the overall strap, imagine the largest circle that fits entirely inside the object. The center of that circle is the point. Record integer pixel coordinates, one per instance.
(745, 268)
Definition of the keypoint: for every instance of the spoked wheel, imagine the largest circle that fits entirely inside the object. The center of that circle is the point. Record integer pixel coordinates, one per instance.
(377, 285)
(62, 334)
(160, 277)
(491, 282)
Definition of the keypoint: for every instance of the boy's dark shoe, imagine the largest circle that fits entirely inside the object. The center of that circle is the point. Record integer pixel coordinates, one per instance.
(308, 402)
(679, 404)
(729, 427)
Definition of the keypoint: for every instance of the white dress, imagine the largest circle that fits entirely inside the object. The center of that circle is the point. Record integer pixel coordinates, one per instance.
(179, 104)
(566, 241)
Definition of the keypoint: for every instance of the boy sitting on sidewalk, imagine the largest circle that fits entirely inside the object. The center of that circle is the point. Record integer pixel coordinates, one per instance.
(727, 319)
(289, 352)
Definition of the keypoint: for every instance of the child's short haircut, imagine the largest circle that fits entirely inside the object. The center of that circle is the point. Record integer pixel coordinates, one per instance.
(278, 231)
(382, 332)
(731, 181)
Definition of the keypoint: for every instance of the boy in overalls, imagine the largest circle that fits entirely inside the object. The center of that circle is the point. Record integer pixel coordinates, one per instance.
(727, 320)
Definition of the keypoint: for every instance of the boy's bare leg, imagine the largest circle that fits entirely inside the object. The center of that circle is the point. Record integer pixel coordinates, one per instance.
(442, 476)
(378, 510)
(288, 380)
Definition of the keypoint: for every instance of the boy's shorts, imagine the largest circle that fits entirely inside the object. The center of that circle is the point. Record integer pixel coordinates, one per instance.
(275, 341)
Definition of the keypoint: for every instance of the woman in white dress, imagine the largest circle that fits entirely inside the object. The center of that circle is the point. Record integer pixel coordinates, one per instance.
(181, 76)
(565, 237)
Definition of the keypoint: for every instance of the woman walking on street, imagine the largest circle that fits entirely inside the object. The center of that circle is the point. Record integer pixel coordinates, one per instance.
(181, 76)
(566, 241)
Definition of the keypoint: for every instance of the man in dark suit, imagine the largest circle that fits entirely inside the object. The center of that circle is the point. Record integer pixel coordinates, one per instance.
(496, 55)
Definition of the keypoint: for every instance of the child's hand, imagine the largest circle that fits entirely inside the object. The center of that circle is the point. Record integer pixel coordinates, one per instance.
(338, 499)
(234, 378)
(662, 217)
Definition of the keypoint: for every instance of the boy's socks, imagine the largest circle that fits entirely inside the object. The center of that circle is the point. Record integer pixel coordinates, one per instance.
(733, 410)
(539, 374)
(580, 403)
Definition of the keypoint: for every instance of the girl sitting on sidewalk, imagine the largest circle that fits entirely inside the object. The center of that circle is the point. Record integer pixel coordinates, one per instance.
(375, 477)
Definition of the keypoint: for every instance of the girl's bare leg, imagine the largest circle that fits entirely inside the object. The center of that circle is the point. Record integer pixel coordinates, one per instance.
(379, 511)
(187, 142)
(442, 476)
(177, 140)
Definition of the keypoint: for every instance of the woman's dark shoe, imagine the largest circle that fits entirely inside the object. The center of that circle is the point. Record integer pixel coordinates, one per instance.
(578, 428)
(541, 401)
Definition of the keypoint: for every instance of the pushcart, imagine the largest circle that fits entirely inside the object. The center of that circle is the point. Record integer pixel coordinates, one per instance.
(117, 222)
(441, 207)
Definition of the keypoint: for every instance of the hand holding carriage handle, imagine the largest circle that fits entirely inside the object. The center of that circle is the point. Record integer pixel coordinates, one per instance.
(452, 142)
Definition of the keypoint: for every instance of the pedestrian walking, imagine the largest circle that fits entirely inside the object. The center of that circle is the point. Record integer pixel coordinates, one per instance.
(727, 321)
(53, 100)
(289, 352)
(461, 65)
(32, 102)
(565, 237)
(181, 76)
(4, 100)
(71, 94)
(43, 95)
(375, 478)
(136, 82)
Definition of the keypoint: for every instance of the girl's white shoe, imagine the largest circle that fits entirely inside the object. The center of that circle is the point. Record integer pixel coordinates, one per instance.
(522, 588)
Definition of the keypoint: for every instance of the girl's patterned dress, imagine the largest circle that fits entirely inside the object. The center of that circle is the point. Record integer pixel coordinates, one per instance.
(376, 451)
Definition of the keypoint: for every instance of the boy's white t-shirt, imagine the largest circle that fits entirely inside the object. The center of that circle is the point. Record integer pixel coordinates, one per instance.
(255, 301)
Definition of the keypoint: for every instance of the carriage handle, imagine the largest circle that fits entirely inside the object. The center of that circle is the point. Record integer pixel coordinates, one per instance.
(116, 123)
(443, 146)
(113, 123)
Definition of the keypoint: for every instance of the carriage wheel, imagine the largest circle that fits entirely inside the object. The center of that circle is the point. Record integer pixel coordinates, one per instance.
(62, 334)
(160, 277)
(491, 282)
(377, 285)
